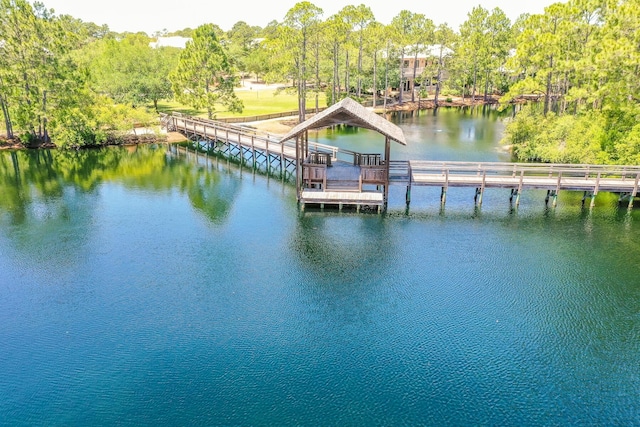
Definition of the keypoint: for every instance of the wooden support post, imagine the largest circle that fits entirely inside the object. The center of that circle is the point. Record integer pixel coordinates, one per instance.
(298, 166)
(408, 195)
(595, 191)
(484, 183)
(443, 195)
(520, 188)
(282, 160)
(635, 191)
(387, 153)
(476, 196)
(268, 158)
(253, 151)
(228, 145)
(555, 195)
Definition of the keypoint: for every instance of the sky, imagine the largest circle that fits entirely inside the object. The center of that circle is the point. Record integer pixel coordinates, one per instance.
(156, 15)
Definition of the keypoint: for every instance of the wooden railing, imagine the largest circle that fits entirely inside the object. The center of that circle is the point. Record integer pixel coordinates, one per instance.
(549, 170)
(361, 159)
(372, 175)
(242, 134)
(319, 158)
(314, 174)
(261, 117)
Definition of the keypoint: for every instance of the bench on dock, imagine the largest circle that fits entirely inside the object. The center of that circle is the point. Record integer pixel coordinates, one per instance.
(375, 175)
(314, 175)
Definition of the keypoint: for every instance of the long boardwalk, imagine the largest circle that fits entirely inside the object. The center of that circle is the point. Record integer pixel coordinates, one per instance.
(339, 183)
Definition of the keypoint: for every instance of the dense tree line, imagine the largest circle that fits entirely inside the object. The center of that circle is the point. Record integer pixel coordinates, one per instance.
(583, 58)
(76, 81)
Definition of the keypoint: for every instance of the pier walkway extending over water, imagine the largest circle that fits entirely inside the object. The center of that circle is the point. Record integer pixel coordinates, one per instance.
(334, 176)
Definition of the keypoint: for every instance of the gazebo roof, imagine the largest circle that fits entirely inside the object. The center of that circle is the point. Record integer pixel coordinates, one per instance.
(351, 113)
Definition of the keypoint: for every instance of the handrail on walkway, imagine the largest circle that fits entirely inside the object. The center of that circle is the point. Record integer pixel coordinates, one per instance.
(188, 122)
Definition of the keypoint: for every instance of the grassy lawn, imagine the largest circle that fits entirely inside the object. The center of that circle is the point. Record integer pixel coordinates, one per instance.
(256, 102)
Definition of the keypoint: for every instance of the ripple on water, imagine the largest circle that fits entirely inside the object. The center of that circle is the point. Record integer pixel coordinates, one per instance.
(175, 311)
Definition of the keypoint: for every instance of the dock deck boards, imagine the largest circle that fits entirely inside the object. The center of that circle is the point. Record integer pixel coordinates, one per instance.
(342, 197)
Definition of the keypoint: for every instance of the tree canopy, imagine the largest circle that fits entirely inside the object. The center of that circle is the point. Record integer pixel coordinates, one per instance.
(72, 81)
(203, 76)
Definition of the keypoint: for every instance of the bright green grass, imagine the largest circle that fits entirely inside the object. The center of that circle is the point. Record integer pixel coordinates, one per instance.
(256, 102)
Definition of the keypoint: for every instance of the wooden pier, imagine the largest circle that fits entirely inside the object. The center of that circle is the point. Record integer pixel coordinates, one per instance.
(330, 176)
(517, 177)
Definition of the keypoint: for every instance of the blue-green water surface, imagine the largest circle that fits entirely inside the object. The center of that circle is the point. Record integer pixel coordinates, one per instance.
(141, 289)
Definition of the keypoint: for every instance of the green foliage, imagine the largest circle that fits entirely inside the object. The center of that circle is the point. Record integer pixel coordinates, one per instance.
(241, 44)
(203, 76)
(582, 57)
(102, 122)
(129, 71)
(593, 137)
(37, 75)
(78, 127)
(481, 52)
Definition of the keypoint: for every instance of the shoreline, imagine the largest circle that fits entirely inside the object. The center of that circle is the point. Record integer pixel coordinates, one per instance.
(279, 126)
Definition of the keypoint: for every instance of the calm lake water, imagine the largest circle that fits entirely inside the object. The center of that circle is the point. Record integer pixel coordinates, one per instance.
(141, 289)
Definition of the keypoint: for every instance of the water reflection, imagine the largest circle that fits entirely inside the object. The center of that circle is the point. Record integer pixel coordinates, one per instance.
(344, 248)
(41, 188)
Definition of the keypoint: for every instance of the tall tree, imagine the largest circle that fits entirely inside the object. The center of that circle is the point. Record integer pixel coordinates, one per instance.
(445, 38)
(241, 42)
(128, 70)
(37, 75)
(423, 34)
(471, 51)
(583, 56)
(362, 17)
(499, 37)
(375, 44)
(404, 29)
(540, 48)
(335, 30)
(203, 77)
(301, 21)
(349, 16)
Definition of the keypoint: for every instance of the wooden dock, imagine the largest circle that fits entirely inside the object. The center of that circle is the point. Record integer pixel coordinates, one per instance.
(337, 177)
(591, 179)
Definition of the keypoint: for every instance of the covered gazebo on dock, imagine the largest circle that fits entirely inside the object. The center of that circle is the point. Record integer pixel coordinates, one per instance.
(323, 179)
